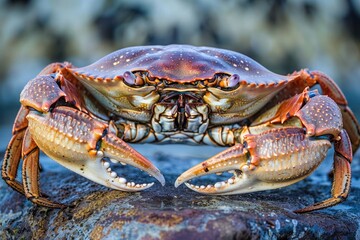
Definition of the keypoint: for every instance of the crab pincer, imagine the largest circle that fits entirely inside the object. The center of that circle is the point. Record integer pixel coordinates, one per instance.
(86, 146)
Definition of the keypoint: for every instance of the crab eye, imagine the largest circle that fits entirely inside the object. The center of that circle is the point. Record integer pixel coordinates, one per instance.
(230, 82)
(132, 79)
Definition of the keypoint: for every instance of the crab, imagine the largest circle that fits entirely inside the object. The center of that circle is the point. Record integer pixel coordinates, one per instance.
(277, 128)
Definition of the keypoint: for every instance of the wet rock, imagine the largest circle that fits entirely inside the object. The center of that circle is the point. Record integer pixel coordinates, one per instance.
(176, 213)
(34, 34)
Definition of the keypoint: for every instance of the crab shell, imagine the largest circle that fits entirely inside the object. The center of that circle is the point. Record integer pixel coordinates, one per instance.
(250, 86)
(181, 64)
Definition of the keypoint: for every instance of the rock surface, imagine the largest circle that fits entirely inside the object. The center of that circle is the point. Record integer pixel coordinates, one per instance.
(170, 213)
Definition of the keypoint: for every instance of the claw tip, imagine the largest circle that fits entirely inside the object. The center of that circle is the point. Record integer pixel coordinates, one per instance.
(178, 182)
(161, 179)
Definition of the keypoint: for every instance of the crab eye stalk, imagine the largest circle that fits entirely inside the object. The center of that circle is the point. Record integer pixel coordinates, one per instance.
(133, 79)
(230, 82)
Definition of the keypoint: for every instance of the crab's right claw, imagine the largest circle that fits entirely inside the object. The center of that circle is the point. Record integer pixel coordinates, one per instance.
(88, 147)
(117, 151)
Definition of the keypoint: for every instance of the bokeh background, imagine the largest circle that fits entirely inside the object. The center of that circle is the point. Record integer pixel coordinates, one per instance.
(284, 36)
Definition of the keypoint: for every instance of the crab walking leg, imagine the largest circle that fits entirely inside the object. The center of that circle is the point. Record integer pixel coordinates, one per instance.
(13, 152)
(30, 173)
(342, 175)
(81, 143)
(272, 159)
(11, 162)
(329, 88)
(351, 125)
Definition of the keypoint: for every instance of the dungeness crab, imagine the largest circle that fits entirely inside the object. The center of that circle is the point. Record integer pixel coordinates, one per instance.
(278, 129)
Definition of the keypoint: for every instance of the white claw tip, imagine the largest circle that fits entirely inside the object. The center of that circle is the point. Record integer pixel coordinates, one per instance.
(177, 183)
(161, 179)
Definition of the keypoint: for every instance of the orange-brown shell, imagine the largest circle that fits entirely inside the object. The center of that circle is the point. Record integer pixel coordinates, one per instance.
(179, 63)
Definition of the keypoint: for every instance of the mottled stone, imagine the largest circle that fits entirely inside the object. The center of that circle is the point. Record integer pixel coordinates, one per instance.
(176, 213)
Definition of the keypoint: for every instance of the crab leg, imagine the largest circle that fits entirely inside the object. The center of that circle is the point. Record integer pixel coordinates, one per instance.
(83, 144)
(13, 151)
(329, 88)
(30, 172)
(342, 175)
(351, 124)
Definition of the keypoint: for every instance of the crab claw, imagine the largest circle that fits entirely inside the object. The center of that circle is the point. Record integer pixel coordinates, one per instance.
(118, 152)
(88, 147)
(267, 161)
(234, 160)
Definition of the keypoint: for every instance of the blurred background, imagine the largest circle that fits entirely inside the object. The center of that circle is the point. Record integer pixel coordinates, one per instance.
(284, 36)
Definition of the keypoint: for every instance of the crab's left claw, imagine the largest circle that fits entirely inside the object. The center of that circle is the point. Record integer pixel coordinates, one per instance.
(280, 155)
(257, 166)
(234, 160)
(88, 147)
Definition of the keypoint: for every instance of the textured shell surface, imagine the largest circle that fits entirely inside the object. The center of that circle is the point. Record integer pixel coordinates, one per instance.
(180, 63)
